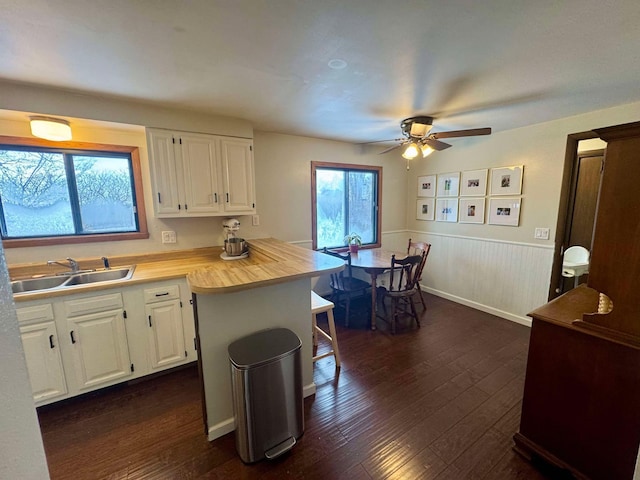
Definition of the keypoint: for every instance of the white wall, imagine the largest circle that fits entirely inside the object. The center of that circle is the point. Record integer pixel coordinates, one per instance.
(508, 259)
(191, 233)
(283, 183)
(20, 442)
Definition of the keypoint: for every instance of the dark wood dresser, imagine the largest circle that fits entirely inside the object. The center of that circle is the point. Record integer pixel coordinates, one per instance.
(581, 404)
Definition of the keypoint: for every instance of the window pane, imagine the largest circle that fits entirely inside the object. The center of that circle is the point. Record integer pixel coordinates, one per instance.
(362, 205)
(35, 196)
(105, 194)
(330, 208)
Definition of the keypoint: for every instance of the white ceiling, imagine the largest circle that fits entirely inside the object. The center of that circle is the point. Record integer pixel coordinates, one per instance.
(498, 63)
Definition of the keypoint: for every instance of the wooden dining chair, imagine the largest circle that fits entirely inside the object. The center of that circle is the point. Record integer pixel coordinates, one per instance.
(344, 286)
(416, 248)
(403, 277)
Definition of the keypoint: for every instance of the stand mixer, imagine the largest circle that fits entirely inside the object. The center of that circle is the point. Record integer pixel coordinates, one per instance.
(234, 246)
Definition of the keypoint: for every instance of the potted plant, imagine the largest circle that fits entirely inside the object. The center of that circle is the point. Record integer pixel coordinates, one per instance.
(353, 241)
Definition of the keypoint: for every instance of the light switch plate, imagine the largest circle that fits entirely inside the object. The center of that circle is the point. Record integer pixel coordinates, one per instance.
(255, 220)
(541, 234)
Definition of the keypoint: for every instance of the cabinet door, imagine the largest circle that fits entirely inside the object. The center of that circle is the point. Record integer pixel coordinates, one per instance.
(237, 171)
(42, 352)
(166, 338)
(99, 347)
(167, 173)
(199, 160)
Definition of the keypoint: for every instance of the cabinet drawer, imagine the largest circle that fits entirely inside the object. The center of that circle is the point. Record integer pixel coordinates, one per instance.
(37, 313)
(160, 294)
(87, 305)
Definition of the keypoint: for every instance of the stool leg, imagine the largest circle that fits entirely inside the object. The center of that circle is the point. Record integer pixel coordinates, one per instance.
(314, 326)
(334, 337)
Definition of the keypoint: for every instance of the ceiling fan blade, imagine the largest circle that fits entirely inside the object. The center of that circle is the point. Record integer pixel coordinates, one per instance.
(383, 141)
(462, 133)
(390, 148)
(435, 144)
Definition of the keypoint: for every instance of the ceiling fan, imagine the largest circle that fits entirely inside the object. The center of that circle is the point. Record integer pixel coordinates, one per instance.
(419, 141)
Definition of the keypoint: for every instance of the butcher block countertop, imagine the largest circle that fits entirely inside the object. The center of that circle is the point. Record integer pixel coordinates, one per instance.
(270, 261)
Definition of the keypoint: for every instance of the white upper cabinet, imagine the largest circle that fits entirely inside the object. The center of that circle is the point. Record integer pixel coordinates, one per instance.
(166, 173)
(197, 175)
(199, 162)
(237, 168)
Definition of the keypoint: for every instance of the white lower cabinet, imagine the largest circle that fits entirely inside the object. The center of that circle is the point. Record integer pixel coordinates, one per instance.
(42, 352)
(83, 342)
(100, 348)
(163, 309)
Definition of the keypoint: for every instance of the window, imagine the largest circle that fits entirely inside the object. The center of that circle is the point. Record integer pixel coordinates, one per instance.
(53, 194)
(345, 200)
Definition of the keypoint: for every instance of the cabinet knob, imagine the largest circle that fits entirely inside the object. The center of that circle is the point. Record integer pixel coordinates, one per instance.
(51, 342)
(73, 338)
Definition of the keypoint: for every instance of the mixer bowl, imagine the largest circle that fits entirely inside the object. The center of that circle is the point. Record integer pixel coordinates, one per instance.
(235, 246)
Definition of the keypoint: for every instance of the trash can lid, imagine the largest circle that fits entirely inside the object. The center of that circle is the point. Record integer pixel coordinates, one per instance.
(263, 347)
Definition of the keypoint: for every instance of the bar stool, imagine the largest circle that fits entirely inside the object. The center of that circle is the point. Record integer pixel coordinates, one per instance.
(319, 305)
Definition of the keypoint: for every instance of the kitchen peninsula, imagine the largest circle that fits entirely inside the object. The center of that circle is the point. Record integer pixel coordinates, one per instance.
(271, 288)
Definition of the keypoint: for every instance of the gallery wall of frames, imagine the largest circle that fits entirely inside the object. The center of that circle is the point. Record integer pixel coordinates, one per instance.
(473, 196)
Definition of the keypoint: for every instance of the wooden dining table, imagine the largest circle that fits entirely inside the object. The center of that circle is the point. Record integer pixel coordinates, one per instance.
(374, 261)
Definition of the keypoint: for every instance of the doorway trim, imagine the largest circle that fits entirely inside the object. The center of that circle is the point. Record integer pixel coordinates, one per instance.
(566, 193)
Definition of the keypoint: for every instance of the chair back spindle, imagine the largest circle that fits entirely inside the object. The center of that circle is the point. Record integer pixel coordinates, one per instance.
(344, 284)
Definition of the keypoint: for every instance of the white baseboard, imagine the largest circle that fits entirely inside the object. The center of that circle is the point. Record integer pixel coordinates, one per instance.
(479, 306)
(309, 390)
(229, 425)
(222, 428)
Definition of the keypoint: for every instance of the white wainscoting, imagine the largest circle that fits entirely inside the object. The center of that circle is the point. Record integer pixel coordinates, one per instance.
(506, 279)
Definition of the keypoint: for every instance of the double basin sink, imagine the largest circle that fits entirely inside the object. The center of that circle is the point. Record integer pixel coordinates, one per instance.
(59, 282)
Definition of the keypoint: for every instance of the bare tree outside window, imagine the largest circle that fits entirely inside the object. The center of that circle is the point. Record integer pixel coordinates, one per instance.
(45, 193)
(346, 200)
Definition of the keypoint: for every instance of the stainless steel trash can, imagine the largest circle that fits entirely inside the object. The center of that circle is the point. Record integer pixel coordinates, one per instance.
(266, 378)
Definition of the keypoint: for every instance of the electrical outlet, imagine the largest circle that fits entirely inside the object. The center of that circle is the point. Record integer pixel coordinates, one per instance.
(541, 234)
(255, 220)
(168, 237)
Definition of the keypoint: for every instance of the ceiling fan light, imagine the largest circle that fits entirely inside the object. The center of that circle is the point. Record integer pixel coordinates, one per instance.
(426, 150)
(53, 129)
(411, 151)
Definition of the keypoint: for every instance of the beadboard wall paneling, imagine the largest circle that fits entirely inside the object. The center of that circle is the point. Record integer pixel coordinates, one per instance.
(507, 279)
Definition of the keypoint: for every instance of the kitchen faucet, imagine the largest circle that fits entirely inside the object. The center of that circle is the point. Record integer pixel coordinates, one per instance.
(75, 268)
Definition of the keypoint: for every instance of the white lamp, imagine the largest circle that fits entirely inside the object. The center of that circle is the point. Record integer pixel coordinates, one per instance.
(426, 150)
(411, 151)
(54, 129)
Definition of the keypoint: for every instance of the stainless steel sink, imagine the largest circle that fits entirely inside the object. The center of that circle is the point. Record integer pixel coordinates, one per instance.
(62, 282)
(33, 284)
(100, 276)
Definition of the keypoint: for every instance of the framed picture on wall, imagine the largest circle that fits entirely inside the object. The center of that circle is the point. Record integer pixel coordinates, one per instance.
(506, 180)
(447, 210)
(474, 183)
(448, 184)
(504, 211)
(471, 210)
(427, 186)
(425, 209)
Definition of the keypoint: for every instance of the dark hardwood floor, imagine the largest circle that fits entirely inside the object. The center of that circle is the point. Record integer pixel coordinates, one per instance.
(439, 402)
